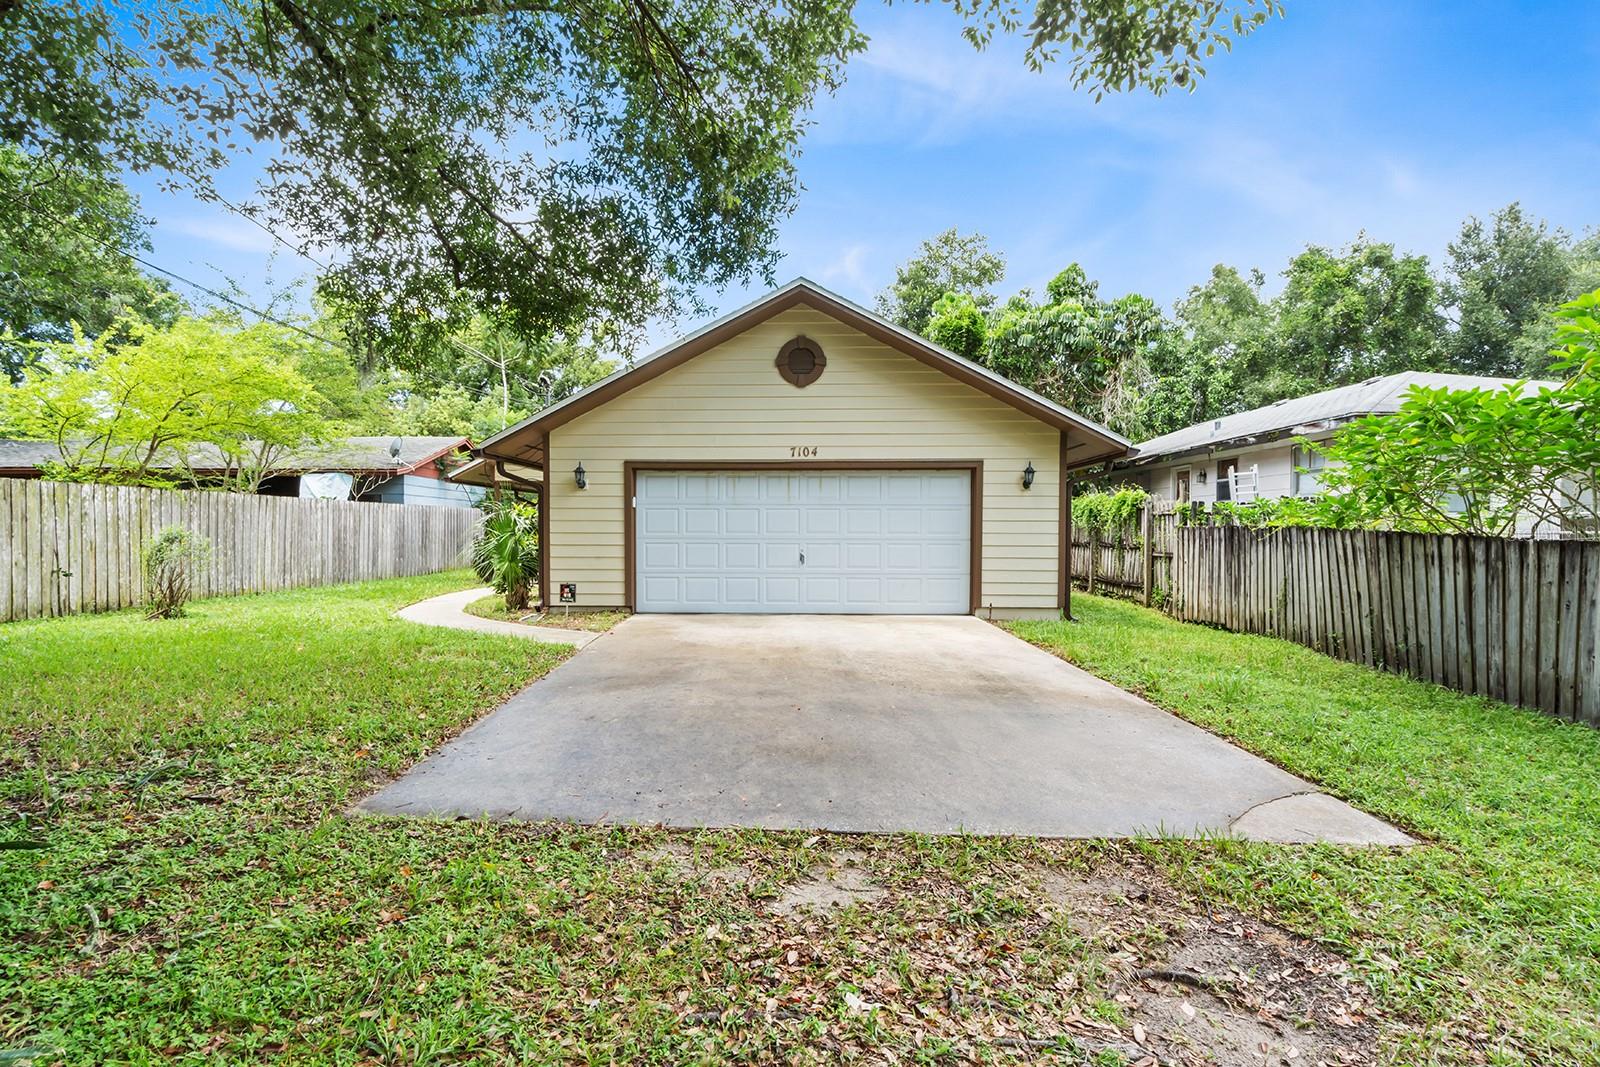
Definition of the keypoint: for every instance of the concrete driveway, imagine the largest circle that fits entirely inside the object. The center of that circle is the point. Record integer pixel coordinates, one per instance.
(855, 723)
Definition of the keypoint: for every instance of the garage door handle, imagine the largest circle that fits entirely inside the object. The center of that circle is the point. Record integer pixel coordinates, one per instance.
(802, 557)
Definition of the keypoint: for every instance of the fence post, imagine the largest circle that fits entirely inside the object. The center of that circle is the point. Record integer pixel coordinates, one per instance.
(1094, 555)
(1147, 548)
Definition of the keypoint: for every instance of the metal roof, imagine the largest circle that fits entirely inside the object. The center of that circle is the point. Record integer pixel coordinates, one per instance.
(1305, 414)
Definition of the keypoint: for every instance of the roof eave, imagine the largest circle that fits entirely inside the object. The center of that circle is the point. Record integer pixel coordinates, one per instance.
(802, 291)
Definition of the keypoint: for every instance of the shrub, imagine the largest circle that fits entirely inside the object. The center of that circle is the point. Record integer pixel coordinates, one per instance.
(1112, 513)
(506, 553)
(172, 558)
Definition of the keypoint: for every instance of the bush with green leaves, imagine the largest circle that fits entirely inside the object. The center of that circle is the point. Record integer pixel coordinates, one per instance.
(506, 553)
(172, 559)
(1482, 461)
(1113, 513)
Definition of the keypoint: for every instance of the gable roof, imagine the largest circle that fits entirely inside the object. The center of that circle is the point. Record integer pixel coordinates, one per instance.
(351, 455)
(1307, 414)
(524, 442)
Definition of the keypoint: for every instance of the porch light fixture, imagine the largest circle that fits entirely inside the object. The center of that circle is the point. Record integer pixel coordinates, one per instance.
(1027, 475)
(580, 477)
(1200, 476)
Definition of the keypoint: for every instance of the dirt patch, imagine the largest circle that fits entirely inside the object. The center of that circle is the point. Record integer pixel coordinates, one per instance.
(843, 881)
(1215, 987)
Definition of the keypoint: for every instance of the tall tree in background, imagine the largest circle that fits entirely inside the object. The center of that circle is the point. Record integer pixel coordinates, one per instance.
(1350, 315)
(556, 165)
(946, 263)
(1531, 351)
(1502, 277)
(1220, 358)
(1078, 350)
(65, 239)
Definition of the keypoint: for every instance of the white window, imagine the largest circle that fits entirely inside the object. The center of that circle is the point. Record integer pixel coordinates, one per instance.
(1309, 464)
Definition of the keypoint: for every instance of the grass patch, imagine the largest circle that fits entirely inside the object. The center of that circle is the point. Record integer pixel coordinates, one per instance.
(1490, 934)
(591, 620)
(494, 607)
(201, 897)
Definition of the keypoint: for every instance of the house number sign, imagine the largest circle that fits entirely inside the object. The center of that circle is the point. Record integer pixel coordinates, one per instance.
(803, 451)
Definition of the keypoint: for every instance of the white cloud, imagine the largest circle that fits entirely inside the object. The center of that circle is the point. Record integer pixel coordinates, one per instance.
(848, 268)
(229, 231)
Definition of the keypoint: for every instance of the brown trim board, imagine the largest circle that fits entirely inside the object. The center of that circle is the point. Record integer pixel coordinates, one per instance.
(1064, 533)
(974, 468)
(544, 535)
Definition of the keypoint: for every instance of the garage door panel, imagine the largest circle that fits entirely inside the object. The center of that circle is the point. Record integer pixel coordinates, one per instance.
(903, 521)
(702, 520)
(863, 555)
(873, 541)
(863, 522)
(742, 591)
(702, 556)
(781, 591)
(823, 555)
(900, 556)
(863, 591)
(823, 521)
(741, 520)
(663, 555)
(661, 521)
(703, 589)
(780, 555)
(741, 555)
(780, 521)
(824, 591)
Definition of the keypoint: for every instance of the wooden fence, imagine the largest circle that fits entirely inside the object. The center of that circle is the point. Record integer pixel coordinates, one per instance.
(67, 548)
(1135, 562)
(1516, 620)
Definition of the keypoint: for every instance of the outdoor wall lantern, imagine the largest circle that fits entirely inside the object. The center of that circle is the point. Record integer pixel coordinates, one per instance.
(580, 477)
(1027, 475)
(1200, 476)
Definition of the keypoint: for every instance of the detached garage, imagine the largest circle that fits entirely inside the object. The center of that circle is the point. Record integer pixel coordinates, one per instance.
(803, 455)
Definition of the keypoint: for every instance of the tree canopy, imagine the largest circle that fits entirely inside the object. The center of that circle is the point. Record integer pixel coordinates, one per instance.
(1343, 315)
(65, 244)
(559, 166)
(1503, 276)
(1483, 461)
(144, 404)
(946, 263)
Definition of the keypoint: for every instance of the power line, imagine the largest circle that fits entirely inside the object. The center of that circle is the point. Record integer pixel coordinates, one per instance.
(113, 246)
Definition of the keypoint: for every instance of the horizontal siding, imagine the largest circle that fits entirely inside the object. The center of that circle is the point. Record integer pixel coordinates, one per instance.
(871, 403)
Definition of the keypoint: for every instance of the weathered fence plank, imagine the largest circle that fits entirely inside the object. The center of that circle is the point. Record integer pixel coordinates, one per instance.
(1514, 620)
(66, 547)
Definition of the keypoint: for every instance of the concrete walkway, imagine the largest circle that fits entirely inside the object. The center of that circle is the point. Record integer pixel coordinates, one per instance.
(857, 723)
(451, 610)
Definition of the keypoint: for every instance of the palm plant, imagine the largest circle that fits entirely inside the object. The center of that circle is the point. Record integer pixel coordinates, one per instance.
(506, 553)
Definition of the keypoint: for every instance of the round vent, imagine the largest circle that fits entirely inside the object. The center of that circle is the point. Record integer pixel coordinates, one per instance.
(801, 362)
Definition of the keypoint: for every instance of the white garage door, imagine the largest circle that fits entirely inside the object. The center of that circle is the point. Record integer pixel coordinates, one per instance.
(849, 542)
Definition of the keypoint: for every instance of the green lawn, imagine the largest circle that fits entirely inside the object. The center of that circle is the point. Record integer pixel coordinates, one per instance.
(201, 896)
(1490, 935)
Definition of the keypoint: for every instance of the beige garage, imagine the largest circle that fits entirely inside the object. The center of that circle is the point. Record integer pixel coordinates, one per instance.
(803, 455)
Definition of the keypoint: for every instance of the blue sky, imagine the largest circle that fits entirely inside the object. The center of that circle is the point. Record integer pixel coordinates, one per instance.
(1397, 119)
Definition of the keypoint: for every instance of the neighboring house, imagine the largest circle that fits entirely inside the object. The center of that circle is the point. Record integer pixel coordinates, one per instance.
(392, 470)
(1254, 453)
(802, 455)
